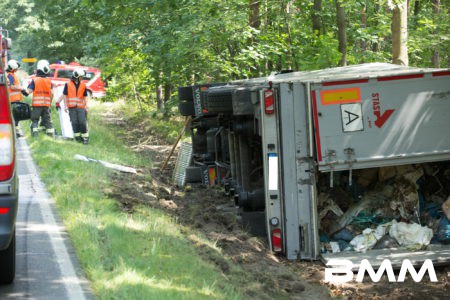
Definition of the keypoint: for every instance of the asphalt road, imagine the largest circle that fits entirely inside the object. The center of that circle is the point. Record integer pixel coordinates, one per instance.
(46, 265)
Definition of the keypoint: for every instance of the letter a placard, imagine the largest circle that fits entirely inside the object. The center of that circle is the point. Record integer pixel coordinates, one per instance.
(352, 117)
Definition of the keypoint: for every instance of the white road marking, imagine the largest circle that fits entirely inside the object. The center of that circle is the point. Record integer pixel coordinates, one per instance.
(69, 278)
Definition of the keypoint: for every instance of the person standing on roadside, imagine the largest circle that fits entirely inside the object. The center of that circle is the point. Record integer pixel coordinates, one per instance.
(14, 88)
(41, 87)
(75, 100)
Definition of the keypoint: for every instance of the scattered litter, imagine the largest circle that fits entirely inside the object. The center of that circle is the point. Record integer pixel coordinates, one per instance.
(105, 164)
(335, 247)
(364, 241)
(410, 234)
(446, 208)
(386, 242)
(443, 231)
(346, 234)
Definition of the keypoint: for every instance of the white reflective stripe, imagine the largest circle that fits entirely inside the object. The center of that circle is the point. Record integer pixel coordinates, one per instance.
(15, 93)
(273, 172)
(50, 130)
(85, 135)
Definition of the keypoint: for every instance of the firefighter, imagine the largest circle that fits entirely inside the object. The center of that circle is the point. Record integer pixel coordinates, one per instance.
(15, 91)
(41, 87)
(75, 100)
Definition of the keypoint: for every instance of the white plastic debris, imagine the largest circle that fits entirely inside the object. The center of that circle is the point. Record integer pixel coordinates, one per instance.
(364, 241)
(369, 237)
(335, 247)
(105, 164)
(410, 234)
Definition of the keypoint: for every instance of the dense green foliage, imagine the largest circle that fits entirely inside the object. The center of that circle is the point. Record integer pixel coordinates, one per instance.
(145, 44)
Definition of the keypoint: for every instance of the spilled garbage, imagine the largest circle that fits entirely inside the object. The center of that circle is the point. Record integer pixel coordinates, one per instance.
(390, 207)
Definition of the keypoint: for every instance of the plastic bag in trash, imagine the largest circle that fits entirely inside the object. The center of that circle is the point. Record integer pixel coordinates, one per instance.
(443, 232)
(364, 241)
(386, 242)
(410, 234)
(446, 208)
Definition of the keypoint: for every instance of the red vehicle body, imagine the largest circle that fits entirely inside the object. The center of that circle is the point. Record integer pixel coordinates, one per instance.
(60, 74)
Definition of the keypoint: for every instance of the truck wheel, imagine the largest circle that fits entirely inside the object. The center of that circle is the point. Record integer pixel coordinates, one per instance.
(186, 108)
(8, 262)
(219, 101)
(185, 93)
(193, 174)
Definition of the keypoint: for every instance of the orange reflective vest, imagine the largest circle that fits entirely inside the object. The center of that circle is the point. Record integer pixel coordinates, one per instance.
(75, 98)
(42, 94)
(14, 95)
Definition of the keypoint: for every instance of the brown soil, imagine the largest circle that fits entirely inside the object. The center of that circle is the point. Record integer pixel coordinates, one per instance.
(207, 212)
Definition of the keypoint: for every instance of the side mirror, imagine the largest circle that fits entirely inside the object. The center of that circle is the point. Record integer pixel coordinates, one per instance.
(21, 111)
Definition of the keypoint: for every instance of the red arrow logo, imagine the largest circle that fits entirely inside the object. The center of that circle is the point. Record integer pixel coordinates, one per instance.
(382, 118)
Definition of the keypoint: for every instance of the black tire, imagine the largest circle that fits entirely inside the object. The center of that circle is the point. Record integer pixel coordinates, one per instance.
(219, 101)
(8, 262)
(185, 93)
(193, 174)
(186, 108)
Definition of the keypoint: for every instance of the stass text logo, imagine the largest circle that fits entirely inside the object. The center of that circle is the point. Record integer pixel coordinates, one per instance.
(341, 271)
(381, 117)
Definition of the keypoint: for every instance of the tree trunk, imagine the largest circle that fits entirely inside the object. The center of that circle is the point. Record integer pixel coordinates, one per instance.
(363, 27)
(416, 7)
(254, 19)
(159, 97)
(316, 17)
(400, 34)
(376, 45)
(167, 92)
(435, 60)
(342, 35)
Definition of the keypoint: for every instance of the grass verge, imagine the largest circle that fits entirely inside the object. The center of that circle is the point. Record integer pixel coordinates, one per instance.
(144, 255)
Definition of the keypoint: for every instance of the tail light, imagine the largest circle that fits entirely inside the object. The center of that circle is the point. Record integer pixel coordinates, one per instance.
(269, 103)
(277, 241)
(6, 137)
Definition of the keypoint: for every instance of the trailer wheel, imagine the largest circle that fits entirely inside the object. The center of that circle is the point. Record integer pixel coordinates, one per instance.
(219, 101)
(185, 93)
(193, 174)
(186, 108)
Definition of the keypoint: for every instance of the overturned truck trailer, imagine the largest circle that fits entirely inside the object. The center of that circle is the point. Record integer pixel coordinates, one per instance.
(294, 148)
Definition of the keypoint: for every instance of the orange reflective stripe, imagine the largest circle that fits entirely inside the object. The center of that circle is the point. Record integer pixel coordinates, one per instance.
(42, 92)
(75, 98)
(14, 95)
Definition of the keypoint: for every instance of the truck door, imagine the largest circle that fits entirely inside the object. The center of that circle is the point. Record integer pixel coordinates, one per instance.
(288, 167)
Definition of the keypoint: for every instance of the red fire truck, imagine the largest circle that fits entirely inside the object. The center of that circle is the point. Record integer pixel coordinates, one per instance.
(60, 74)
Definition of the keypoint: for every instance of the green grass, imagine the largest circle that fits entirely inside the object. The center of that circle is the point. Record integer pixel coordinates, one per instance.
(144, 255)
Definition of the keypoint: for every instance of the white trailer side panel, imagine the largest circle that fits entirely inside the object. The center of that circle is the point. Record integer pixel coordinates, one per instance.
(382, 121)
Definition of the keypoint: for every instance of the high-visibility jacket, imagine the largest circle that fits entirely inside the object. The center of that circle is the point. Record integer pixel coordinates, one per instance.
(75, 98)
(14, 95)
(42, 94)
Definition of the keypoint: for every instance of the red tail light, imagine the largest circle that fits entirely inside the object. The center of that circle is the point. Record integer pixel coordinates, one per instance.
(6, 137)
(4, 210)
(269, 103)
(277, 241)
